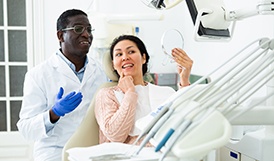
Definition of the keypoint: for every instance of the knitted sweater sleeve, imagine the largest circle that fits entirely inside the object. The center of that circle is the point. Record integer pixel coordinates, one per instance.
(115, 120)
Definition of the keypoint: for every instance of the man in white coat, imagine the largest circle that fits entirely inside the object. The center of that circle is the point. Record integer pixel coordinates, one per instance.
(58, 92)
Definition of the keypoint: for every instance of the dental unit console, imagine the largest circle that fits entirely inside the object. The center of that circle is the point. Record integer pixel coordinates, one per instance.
(199, 118)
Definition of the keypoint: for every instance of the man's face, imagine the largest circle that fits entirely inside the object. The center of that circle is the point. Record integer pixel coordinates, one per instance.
(76, 44)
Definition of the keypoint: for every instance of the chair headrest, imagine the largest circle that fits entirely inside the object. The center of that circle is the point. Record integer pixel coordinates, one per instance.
(108, 67)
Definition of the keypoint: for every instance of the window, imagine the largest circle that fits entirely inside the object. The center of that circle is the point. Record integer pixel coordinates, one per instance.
(14, 62)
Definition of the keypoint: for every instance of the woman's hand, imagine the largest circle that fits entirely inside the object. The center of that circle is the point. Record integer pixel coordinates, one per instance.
(125, 83)
(184, 64)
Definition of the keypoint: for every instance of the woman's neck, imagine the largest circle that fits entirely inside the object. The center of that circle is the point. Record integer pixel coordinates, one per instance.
(139, 81)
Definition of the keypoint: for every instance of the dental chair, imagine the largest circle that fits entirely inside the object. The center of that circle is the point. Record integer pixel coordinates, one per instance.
(87, 133)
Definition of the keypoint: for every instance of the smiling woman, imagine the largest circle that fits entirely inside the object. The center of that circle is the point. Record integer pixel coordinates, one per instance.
(118, 108)
(128, 61)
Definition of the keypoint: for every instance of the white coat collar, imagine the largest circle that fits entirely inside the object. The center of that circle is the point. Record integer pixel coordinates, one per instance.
(62, 67)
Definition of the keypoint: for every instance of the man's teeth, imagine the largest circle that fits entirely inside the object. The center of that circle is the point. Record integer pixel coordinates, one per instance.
(84, 42)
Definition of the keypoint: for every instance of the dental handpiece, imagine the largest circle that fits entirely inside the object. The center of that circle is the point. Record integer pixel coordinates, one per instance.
(162, 114)
(154, 129)
(169, 134)
(192, 107)
(179, 132)
(186, 126)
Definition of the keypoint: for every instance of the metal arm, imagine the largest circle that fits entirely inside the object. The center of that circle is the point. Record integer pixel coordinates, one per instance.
(263, 7)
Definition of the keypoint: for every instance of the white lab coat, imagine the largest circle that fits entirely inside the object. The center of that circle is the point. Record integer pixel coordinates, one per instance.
(41, 86)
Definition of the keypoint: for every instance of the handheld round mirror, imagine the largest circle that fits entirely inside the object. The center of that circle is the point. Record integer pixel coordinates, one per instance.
(171, 39)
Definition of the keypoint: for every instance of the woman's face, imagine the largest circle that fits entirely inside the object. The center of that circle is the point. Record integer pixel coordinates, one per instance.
(127, 59)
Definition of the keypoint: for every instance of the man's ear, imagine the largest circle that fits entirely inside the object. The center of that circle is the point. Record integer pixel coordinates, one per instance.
(60, 36)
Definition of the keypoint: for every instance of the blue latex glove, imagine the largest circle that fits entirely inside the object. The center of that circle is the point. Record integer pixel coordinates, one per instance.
(66, 104)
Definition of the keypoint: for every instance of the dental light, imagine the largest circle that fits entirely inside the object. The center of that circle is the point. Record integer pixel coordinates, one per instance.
(161, 4)
(212, 20)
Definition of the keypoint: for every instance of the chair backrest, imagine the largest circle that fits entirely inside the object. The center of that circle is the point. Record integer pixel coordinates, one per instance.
(87, 133)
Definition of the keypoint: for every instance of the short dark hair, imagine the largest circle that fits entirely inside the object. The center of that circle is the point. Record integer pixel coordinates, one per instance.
(63, 21)
(141, 46)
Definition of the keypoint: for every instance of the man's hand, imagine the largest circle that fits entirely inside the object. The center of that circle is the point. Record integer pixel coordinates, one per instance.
(64, 105)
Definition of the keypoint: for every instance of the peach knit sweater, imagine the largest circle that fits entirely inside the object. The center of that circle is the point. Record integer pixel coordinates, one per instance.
(115, 120)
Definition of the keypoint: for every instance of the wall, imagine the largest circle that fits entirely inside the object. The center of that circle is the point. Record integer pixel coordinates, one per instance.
(206, 55)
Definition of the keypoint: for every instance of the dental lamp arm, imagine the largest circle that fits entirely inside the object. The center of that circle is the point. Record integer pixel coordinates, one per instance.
(263, 7)
(213, 20)
(217, 16)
